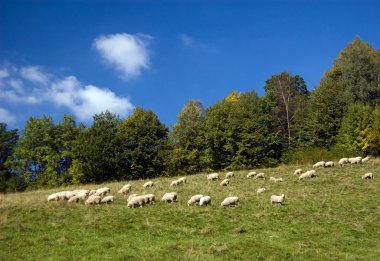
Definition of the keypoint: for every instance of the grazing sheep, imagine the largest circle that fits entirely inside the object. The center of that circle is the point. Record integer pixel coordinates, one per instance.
(93, 200)
(319, 164)
(251, 174)
(131, 196)
(102, 192)
(194, 199)
(260, 176)
(276, 179)
(368, 176)
(213, 176)
(366, 159)
(148, 184)
(107, 200)
(230, 175)
(150, 198)
(225, 182)
(205, 200)
(308, 175)
(125, 189)
(261, 190)
(277, 199)
(329, 164)
(174, 183)
(343, 161)
(81, 196)
(169, 197)
(297, 172)
(182, 180)
(81, 191)
(136, 201)
(357, 160)
(53, 197)
(92, 192)
(74, 199)
(230, 201)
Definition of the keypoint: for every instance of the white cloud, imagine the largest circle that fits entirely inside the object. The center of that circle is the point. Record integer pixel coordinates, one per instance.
(3, 73)
(186, 40)
(17, 85)
(6, 117)
(128, 53)
(192, 44)
(85, 101)
(34, 74)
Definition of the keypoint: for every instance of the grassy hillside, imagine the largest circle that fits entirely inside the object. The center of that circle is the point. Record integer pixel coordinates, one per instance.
(333, 217)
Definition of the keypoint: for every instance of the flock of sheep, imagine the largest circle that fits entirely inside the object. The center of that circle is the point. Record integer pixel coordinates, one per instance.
(100, 196)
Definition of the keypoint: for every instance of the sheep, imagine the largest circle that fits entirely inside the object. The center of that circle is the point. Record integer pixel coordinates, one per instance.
(125, 189)
(230, 201)
(81, 191)
(107, 200)
(169, 197)
(182, 180)
(174, 183)
(368, 176)
(230, 175)
(343, 161)
(63, 195)
(80, 196)
(260, 176)
(276, 179)
(357, 160)
(319, 164)
(148, 184)
(329, 164)
(251, 174)
(136, 201)
(261, 190)
(225, 182)
(131, 196)
(205, 200)
(194, 199)
(213, 176)
(297, 172)
(277, 199)
(366, 159)
(102, 192)
(308, 175)
(150, 198)
(93, 200)
(53, 197)
(74, 199)
(92, 192)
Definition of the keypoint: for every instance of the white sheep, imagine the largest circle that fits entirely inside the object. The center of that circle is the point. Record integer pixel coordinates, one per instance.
(230, 201)
(81, 196)
(356, 160)
(297, 172)
(93, 200)
(260, 176)
(125, 189)
(343, 161)
(107, 200)
(92, 192)
(366, 159)
(329, 164)
(53, 197)
(194, 199)
(308, 175)
(319, 164)
(368, 176)
(150, 198)
(136, 201)
(276, 179)
(213, 176)
(205, 200)
(81, 191)
(230, 175)
(251, 174)
(182, 180)
(261, 190)
(102, 192)
(169, 197)
(74, 199)
(174, 183)
(225, 182)
(131, 196)
(277, 199)
(148, 184)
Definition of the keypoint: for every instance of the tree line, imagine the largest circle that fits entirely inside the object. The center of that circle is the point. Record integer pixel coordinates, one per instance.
(289, 123)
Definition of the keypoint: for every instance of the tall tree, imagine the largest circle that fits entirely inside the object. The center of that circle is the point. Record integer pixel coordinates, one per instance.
(144, 140)
(8, 141)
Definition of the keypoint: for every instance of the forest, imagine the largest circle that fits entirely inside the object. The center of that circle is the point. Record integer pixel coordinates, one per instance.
(289, 124)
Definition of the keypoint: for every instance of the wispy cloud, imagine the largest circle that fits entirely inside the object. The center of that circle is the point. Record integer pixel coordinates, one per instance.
(6, 116)
(186, 40)
(83, 100)
(198, 46)
(3, 73)
(34, 74)
(126, 52)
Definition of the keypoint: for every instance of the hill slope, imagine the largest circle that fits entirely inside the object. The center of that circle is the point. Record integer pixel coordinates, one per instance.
(332, 217)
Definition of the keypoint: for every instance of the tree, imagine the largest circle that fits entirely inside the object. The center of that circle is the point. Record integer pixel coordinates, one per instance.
(8, 141)
(144, 140)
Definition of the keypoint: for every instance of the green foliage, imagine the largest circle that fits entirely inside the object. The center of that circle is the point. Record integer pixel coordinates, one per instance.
(144, 140)
(97, 154)
(8, 141)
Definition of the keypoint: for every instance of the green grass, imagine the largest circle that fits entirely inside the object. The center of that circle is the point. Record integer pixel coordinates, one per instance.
(333, 217)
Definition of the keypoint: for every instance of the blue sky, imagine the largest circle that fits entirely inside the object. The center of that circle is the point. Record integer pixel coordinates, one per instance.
(82, 57)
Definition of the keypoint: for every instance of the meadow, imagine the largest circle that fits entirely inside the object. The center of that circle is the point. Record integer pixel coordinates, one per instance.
(332, 217)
